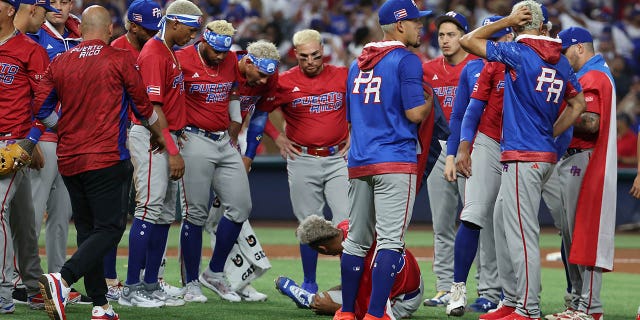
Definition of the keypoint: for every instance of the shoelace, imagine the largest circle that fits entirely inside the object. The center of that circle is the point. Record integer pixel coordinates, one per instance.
(457, 291)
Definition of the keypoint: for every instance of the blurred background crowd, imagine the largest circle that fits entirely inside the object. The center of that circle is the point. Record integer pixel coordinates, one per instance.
(346, 25)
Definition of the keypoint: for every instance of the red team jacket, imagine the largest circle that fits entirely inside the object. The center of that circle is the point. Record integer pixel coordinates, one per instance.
(22, 65)
(490, 88)
(407, 279)
(92, 132)
(443, 78)
(314, 109)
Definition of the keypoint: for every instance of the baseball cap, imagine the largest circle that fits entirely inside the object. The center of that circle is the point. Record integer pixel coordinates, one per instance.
(42, 3)
(574, 35)
(393, 11)
(454, 17)
(545, 17)
(145, 13)
(500, 33)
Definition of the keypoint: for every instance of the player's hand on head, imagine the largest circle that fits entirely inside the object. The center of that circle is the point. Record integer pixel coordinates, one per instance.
(521, 16)
(635, 189)
(176, 167)
(37, 159)
(450, 169)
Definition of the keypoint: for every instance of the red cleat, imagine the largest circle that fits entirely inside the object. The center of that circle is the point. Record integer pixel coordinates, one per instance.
(500, 313)
(344, 315)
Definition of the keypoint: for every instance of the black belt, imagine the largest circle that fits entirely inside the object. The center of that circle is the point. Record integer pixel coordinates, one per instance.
(572, 151)
(215, 136)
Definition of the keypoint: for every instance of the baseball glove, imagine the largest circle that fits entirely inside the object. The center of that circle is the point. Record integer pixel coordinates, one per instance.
(12, 158)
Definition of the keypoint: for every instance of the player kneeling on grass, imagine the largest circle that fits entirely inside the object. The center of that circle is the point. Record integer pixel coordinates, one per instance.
(320, 235)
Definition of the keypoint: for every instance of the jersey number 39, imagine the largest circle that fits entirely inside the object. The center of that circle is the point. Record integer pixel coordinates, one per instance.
(372, 88)
(554, 90)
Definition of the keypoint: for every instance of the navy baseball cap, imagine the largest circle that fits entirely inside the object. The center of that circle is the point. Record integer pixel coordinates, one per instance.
(145, 13)
(41, 3)
(454, 17)
(574, 35)
(500, 33)
(393, 11)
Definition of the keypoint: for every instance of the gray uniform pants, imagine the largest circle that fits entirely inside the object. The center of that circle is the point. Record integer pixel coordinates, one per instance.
(585, 283)
(381, 207)
(155, 191)
(314, 180)
(50, 194)
(521, 190)
(443, 200)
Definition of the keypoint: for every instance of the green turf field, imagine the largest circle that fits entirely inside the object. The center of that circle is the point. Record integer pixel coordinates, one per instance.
(621, 292)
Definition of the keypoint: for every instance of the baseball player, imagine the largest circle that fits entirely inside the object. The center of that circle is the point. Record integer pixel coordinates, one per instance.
(590, 158)
(24, 65)
(478, 202)
(92, 157)
(443, 74)
(141, 23)
(384, 116)
(406, 294)
(256, 88)
(542, 79)
(316, 139)
(154, 174)
(60, 31)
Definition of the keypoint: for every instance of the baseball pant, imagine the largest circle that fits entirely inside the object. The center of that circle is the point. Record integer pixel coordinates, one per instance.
(443, 200)
(381, 207)
(571, 171)
(50, 194)
(99, 200)
(481, 192)
(247, 260)
(522, 184)
(506, 270)
(316, 180)
(213, 165)
(155, 191)
(552, 196)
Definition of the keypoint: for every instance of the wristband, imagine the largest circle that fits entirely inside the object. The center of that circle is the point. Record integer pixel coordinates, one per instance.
(234, 111)
(169, 144)
(153, 118)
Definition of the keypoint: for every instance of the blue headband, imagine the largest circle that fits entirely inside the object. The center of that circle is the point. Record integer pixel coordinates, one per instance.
(187, 19)
(265, 65)
(218, 42)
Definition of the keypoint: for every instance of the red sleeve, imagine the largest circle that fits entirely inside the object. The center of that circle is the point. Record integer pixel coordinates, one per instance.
(271, 130)
(591, 89)
(134, 86)
(153, 70)
(482, 88)
(45, 97)
(37, 66)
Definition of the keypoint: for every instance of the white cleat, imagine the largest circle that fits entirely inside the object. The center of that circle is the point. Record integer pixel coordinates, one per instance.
(136, 296)
(249, 293)
(193, 292)
(458, 300)
(217, 282)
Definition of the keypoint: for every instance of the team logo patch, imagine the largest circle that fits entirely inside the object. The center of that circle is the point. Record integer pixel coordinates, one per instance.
(237, 260)
(271, 68)
(154, 90)
(136, 17)
(400, 14)
(251, 240)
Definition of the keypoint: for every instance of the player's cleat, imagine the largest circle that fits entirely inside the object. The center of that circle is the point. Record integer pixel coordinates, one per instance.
(171, 290)
(99, 313)
(193, 293)
(458, 300)
(339, 315)
(249, 293)
(566, 314)
(20, 295)
(311, 287)
(499, 313)
(156, 291)
(75, 297)
(516, 316)
(35, 301)
(136, 296)
(370, 317)
(579, 315)
(289, 288)
(114, 291)
(55, 295)
(567, 299)
(481, 305)
(7, 306)
(440, 299)
(217, 282)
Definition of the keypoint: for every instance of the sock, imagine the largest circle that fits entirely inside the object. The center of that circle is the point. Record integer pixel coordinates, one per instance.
(351, 268)
(226, 236)
(309, 263)
(139, 236)
(385, 268)
(465, 249)
(563, 254)
(191, 249)
(156, 251)
(109, 264)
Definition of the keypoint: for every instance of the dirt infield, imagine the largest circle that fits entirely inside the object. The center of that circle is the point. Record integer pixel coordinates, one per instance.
(626, 260)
